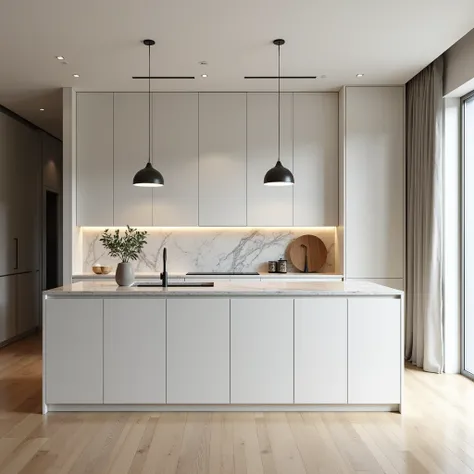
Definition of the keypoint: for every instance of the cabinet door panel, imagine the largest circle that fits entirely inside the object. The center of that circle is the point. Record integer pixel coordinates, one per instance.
(7, 232)
(26, 197)
(132, 204)
(134, 351)
(374, 230)
(316, 159)
(374, 350)
(198, 350)
(28, 296)
(222, 159)
(268, 205)
(74, 351)
(321, 350)
(175, 154)
(95, 159)
(8, 307)
(262, 350)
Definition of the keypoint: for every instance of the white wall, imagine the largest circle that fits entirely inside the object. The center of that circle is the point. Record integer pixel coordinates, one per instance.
(452, 234)
(71, 234)
(459, 67)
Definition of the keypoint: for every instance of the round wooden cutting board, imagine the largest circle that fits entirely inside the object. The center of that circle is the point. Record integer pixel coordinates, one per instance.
(317, 253)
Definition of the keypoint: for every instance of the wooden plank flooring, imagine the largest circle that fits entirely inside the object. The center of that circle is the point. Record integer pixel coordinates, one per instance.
(435, 435)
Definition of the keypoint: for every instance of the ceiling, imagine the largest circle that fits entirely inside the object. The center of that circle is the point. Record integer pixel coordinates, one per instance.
(387, 41)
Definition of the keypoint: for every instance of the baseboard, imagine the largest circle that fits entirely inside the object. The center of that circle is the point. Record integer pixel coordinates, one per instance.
(18, 337)
(218, 408)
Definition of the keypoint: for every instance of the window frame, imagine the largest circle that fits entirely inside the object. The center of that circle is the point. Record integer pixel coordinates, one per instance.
(466, 98)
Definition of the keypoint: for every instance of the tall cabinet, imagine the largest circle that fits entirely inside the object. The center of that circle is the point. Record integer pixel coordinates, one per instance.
(20, 180)
(374, 197)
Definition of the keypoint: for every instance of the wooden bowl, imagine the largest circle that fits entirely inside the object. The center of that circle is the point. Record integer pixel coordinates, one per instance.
(97, 270)
(106, 270)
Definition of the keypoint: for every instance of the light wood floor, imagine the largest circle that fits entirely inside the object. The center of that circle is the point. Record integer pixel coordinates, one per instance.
(435, 435)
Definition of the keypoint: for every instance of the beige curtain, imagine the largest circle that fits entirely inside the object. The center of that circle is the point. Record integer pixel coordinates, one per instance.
(424, 345)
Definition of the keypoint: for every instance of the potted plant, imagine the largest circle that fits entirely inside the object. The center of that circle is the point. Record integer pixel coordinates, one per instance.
(127, 248)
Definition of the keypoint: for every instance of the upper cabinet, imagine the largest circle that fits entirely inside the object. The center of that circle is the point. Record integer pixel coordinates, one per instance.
(213, 150)
(316, 155)
(95, 159)
(222, 159)
(175, 155)
(374, 194)
(132, 204)
(268, 205)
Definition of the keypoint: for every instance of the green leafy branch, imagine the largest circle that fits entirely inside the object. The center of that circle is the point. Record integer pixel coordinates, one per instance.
(127, 247)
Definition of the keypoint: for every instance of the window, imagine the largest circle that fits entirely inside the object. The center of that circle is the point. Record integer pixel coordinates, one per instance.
(468, 234)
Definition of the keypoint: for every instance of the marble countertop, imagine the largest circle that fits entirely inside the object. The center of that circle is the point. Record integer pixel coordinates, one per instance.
(228, 289)
(180, 276)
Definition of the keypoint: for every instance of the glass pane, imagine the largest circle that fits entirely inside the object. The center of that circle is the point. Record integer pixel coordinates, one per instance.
(469, 235)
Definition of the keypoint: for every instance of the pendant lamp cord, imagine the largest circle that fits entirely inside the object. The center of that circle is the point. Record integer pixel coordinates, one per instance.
(149, 103)
(279, 94)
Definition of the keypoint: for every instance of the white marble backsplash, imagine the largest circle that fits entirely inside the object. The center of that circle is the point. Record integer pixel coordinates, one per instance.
(219, 250)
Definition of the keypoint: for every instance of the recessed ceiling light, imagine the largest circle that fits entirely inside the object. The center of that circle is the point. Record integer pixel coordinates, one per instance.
(359, 75)
(60, 58)
(203, 75)
(41, 110)
(75, 75)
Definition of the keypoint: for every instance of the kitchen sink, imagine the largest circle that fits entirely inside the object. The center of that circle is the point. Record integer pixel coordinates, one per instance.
(178, 284)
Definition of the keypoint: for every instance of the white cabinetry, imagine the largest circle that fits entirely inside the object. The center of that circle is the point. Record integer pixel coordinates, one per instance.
(74, 351)
(261, 350)
(213, 150)
(268, 205)
(132, 205)
(222, 159)
(374, 201)
(374, 351)
(321, 350)
(134, 351)
(95, 157)
(316, 158)
(198, 350)
(175, 155)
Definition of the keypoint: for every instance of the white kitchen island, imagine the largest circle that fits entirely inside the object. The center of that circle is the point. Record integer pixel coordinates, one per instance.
(232, 347)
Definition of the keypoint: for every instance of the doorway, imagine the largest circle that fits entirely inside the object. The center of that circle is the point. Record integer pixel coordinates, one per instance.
(52, 240)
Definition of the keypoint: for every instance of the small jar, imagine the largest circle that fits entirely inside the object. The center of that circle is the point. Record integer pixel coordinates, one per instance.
(282, 266)
(272, 267)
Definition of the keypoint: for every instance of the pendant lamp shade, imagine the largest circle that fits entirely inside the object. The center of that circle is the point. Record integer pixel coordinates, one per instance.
(149, 177)
(279, 175)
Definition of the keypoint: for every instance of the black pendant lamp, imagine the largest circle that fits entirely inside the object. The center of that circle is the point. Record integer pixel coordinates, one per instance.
(279, 175)
(149, 177)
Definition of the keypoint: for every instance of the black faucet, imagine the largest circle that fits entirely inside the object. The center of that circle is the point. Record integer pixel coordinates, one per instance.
(164, 273)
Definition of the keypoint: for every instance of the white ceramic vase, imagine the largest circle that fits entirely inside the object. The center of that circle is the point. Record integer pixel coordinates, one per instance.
(124, 275)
